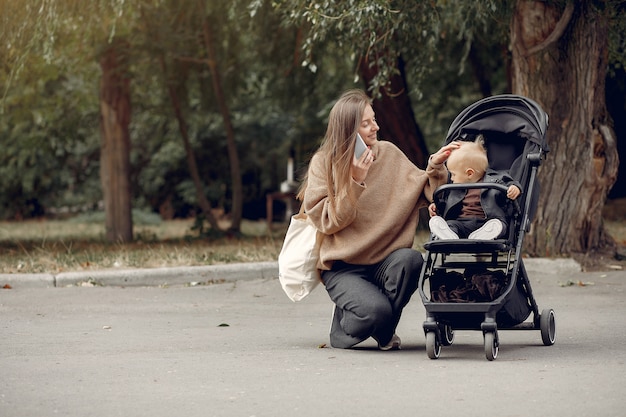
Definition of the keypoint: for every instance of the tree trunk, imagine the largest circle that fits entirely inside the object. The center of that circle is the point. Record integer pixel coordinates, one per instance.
(559, 59)
(395, 114)
(115, 150)
(203, 202)
(233, 156)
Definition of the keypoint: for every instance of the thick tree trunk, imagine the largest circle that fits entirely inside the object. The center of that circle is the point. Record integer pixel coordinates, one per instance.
(395, 114)
(115, 150)
(559, 59)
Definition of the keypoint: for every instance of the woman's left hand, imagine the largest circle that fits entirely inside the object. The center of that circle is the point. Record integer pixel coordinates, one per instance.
(432, 209)
(442, 154)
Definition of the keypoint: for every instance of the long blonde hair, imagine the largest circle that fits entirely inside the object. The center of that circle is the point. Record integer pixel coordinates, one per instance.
(337, 148)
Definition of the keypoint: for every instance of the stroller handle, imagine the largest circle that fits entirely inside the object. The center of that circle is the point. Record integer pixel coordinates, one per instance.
(482, 185)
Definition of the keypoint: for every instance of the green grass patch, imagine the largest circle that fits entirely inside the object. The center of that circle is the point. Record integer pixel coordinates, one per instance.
(78, 244)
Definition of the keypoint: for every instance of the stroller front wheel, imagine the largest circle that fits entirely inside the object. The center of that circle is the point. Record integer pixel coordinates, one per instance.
(491, 345)
(547, 325)
(433, 346)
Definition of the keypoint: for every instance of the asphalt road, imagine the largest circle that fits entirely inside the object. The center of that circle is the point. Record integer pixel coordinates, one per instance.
(241, 348)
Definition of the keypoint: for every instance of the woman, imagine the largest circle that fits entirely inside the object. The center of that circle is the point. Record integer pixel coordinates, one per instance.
(367, 209)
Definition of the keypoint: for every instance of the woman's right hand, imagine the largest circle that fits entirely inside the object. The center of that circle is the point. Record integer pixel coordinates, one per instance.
(361, 166)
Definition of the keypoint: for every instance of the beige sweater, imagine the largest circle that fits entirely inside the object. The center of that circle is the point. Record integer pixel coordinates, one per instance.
(385, 215)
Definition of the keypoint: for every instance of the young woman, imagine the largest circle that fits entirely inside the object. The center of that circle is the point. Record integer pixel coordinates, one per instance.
(367, 209)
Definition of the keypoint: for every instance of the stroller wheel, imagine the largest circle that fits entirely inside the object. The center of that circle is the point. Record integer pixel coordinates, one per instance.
(547, 324)
(433, 347)
(491, 345)
(447, 334)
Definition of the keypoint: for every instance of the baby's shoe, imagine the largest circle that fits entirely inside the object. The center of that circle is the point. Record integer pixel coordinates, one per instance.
(488, 231)
(439, 227)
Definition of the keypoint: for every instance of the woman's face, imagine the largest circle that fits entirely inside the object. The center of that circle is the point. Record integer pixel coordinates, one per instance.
(368, 127)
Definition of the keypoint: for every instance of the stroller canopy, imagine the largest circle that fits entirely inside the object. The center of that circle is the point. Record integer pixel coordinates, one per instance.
(506, 114)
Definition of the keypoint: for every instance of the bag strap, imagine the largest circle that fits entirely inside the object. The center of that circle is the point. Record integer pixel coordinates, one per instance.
(301, 214)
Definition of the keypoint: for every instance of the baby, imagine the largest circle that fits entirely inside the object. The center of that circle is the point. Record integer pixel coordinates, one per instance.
(472, 213)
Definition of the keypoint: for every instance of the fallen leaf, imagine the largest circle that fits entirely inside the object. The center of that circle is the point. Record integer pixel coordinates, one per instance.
(223, 325)
(578, 283)
(7, 287)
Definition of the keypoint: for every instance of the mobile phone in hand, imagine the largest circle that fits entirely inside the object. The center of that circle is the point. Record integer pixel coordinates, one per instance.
(360, 146)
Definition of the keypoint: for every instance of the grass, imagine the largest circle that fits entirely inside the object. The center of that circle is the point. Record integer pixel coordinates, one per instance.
(54, 246)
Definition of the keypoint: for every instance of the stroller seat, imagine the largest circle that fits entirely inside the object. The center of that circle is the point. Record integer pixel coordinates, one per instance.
(514, 129)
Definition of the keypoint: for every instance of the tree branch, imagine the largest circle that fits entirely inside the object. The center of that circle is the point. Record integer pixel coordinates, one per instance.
(556, 34)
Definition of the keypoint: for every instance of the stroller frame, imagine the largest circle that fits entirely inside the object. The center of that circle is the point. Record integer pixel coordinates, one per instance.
(508, 116)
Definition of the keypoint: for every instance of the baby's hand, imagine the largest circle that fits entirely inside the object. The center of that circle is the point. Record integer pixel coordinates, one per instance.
(513, 192)
(432, 210)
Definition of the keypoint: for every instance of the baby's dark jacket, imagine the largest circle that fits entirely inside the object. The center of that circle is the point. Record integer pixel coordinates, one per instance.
(492, 201)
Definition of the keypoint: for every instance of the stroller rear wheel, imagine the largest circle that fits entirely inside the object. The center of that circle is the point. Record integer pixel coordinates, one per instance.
(547, 324)
(433, 345)
(491, 345)
(447, 334)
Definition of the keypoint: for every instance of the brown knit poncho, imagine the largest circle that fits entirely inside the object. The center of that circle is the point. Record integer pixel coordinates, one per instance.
(385, 215)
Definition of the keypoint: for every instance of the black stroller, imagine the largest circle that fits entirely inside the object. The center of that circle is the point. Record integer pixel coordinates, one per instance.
(482, 284)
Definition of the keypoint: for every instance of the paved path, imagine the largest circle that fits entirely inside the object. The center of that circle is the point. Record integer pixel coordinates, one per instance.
(241, 348)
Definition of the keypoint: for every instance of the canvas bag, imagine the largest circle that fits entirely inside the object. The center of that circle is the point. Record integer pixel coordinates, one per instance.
(297, 261)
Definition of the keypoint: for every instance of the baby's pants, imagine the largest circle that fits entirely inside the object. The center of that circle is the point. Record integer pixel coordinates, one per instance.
(463, 226)
(369, 298)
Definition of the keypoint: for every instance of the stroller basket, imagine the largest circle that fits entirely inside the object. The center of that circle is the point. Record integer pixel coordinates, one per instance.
(482, 285)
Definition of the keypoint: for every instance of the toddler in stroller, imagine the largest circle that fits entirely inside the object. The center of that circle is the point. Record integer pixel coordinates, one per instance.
(481, 283)
(473, 213)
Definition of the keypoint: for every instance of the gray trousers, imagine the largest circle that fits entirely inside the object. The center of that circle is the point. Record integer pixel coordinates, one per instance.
(369, 298)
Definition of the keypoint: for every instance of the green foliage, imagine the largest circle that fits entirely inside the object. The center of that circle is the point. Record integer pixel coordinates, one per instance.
(283, 62)
(434, 39)
(380, 31)
(617, 35)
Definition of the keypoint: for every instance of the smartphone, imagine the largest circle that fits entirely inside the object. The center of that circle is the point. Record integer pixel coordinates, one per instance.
(360, 146)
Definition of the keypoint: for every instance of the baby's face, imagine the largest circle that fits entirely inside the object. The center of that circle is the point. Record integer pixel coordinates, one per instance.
(458, 173)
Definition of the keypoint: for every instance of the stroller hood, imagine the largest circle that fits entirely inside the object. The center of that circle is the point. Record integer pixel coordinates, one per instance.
(507, 114)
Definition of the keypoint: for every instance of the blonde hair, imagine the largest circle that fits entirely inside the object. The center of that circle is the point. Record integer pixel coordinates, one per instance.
(472, 155)
(337, 148)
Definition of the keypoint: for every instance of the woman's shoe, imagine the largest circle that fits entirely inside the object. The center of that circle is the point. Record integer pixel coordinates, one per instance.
(394, 344)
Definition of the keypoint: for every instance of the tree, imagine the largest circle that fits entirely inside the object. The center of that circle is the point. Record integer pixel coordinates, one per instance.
(375, 34)
(233, 156)
(115, 150)
(31, 30)
(552, 43)
(560, 59)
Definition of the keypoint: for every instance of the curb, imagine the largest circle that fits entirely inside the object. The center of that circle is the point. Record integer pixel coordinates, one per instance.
(188, 275)
(203, 275)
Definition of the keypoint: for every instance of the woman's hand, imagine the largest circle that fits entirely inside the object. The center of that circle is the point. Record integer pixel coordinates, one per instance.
(442, 154)
(361, 166)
